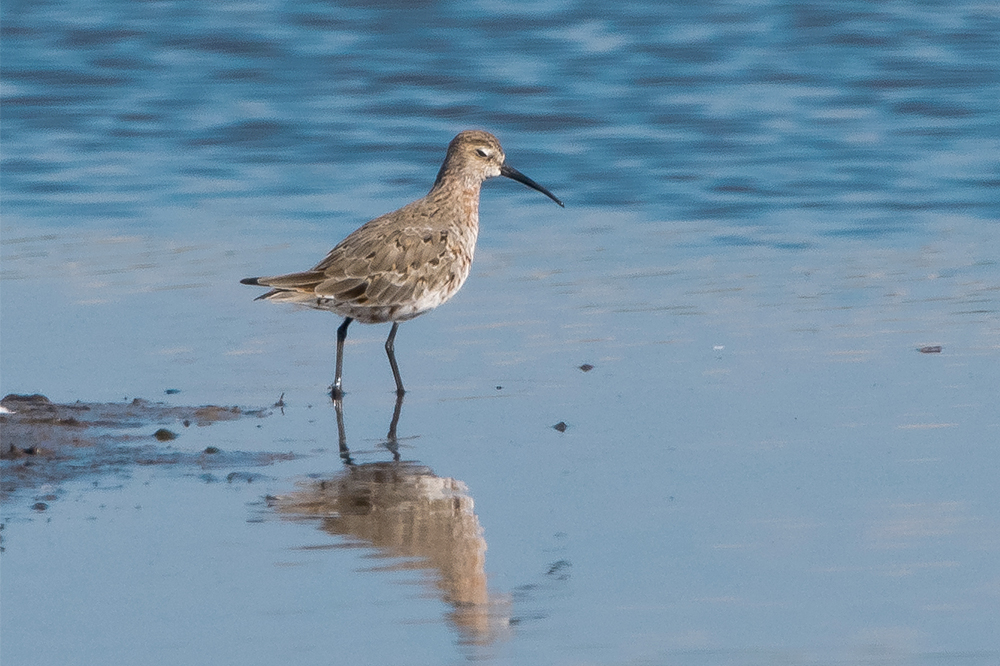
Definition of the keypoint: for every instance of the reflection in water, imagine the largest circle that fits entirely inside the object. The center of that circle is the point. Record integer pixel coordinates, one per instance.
(406, 511)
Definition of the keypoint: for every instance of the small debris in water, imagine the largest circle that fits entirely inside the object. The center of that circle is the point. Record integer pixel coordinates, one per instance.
(932, 349)
(586, 367)
(246, 477)
(164, 435)
(39, 506)
(15, 452)
(561, 426)
(499, 388)
(211, 449)
(172, 391)
(281, 401)
(558, 571)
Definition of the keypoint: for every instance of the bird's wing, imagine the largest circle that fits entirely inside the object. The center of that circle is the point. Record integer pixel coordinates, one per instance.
(389, 265)
(384, 264)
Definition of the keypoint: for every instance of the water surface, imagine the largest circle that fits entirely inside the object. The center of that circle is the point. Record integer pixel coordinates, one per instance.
(770, 208)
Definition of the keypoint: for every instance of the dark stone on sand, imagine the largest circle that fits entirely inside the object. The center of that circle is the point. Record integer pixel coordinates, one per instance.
(586, 367)
(33, 399)
(164, 435)
(13, 452)
(242, 477)
(561, 426)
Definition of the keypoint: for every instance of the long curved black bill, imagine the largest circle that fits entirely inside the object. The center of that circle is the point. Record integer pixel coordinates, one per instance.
(514, 174)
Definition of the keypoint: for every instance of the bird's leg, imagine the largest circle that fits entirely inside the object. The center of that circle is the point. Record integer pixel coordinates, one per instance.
(345, 453)
(390, 351)
(392, 441)
(336, 392)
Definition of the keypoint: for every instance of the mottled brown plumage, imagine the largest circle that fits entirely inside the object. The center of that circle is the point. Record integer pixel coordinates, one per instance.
(407, 262)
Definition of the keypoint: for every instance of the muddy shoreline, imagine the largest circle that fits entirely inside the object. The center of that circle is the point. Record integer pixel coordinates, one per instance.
(44, 444)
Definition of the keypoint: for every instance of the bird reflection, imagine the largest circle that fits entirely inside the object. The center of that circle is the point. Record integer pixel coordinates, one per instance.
(404, 510)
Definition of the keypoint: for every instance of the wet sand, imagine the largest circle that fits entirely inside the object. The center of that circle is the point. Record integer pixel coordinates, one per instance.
(46, 443)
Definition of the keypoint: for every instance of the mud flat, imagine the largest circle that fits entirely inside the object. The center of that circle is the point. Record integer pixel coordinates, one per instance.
(47, 443)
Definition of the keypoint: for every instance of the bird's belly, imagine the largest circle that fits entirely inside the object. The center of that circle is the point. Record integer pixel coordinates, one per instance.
(385, 312)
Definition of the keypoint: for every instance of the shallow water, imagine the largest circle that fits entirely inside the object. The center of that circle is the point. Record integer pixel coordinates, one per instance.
(770, 209)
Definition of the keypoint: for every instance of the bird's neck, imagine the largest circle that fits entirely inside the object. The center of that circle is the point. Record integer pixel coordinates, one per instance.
(459, 197)
(462, 190)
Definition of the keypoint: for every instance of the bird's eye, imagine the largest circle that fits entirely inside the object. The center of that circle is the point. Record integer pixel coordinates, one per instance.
(482, 152)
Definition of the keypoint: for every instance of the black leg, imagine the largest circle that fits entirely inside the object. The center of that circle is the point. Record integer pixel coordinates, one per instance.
(392, 442)
(345, 453)
(390, 351)
(336, 391)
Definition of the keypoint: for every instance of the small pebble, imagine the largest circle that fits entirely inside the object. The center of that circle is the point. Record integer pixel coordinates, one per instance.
(164, 435)
(211, 449)
(246, 477)
(561, 426)
(586, 367)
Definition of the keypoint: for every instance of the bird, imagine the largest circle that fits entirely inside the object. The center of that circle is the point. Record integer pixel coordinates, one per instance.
(407, 262)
